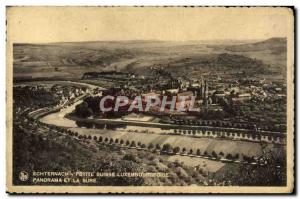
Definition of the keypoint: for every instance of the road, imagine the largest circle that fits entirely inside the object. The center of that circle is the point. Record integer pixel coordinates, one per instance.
(58, 82)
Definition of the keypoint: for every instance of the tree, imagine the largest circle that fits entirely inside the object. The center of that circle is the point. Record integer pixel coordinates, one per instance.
(106, 140)
(198, 152)
(127, 143)
(95, 138)
(221, 154)
(129, 157)
(167, 147)
(133, 144)
(143, 146)
(121, 141)
(89, 137)
(100, 139)
(111, 140)
(151, 146)
(176, 149)
(158, 147)
(236, 156)
(183, 150)
(271, 174)
(116, 140)
(214, 154)
(229, 156)
(194, 132)
(82, 110)
(246, 158)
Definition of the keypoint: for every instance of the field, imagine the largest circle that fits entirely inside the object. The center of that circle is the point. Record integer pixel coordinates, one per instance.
(204, 144)
(208, 165)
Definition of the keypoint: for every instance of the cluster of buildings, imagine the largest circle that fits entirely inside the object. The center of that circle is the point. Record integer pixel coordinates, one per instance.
(208, 94)
(215, 93)
(65, 92)
(60, 91)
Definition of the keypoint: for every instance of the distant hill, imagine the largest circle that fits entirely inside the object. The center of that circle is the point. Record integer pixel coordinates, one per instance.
(223, 61)
(275, 45)
(238, 61)
(73, 59)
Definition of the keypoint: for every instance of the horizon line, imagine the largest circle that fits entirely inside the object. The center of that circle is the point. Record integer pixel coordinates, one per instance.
(153, 40)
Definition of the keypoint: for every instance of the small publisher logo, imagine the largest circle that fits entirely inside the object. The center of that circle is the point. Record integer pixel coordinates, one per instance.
(23, 176)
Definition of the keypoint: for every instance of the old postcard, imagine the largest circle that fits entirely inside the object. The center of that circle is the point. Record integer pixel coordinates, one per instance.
(150, 99)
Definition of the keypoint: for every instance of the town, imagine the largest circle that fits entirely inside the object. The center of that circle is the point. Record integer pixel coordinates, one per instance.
(196, 126)
(240, 102)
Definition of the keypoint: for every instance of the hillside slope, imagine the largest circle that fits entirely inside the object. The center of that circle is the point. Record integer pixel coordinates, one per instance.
(275, 45)
(72, 59)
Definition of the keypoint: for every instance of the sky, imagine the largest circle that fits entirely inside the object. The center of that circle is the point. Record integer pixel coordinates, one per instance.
(67, 24)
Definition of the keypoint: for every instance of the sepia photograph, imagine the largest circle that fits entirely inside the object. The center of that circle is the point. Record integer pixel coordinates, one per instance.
(150, 99)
